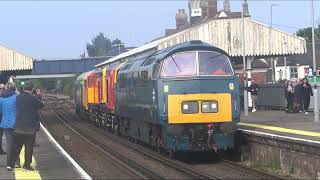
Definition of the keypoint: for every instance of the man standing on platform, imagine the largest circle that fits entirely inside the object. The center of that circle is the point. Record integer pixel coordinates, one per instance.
(253, 88)
(26, 125)
(298, 92)
(2, 152)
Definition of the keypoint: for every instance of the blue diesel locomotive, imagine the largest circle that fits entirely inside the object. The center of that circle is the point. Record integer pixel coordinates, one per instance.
(182, 98)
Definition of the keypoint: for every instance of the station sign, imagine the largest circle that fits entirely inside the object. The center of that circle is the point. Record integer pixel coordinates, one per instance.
(311, 79)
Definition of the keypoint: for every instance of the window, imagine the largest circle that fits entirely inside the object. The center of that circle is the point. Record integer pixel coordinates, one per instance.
(149, 61)
(280, 74)
(156, 69)
(181, 64)
(144, 78)
(293, 73)
(197, 63)
(213, 63)
(127, 66)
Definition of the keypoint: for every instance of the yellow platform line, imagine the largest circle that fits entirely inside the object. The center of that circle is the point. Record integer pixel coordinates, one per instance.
(280, 129)
(22, 174)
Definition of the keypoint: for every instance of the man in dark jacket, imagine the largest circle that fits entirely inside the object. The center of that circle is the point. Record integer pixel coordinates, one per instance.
(298, 92)
(254, 89)
(26, 125)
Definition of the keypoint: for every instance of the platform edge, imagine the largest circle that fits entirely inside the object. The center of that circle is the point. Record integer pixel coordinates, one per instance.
(280, 136)
(82, 173)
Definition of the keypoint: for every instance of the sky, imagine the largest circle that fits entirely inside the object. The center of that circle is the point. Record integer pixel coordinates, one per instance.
(61, 29)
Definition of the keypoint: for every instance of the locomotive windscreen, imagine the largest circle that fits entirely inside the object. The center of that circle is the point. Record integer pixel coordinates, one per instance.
(197, 63)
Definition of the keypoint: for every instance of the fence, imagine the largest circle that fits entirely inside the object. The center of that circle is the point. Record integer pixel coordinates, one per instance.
(272, 96)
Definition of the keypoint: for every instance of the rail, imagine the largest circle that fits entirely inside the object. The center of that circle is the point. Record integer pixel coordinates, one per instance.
(179, 166)
(134, 167)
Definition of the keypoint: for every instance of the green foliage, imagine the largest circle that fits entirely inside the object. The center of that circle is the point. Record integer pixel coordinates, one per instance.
(306, 33)
(101, 45)
(65, 85)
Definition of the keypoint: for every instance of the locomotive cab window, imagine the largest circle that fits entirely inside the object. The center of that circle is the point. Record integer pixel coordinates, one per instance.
(201, 63)
(181, 64)
(213, 63)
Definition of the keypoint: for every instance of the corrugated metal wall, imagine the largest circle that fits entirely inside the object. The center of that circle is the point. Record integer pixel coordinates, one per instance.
(226, 34)
(11, 60)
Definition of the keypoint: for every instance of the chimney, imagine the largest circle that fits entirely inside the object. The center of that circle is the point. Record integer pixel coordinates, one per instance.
(195, 11)
(226, 6)
(204, 8)
(181, 19)
(245, 8)
(212, 8)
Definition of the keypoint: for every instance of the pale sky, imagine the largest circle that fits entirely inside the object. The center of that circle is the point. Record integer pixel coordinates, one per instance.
(61, 29)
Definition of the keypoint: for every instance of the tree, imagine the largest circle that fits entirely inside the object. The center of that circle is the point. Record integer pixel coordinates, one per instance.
(306, 33)
(116, 42)
(101, 45)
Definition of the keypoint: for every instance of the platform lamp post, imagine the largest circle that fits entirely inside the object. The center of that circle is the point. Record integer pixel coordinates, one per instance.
(315, 90)
(245, 92)
(270, 33)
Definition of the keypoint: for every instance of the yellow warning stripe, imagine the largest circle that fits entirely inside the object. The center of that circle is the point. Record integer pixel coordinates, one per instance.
(279, 129)
(22, 174)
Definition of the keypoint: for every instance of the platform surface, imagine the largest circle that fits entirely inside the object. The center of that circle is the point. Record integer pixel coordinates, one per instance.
(296, 125)
(48, 162)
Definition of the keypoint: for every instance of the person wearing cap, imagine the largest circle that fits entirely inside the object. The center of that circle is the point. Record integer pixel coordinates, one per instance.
(2, 152)
(26, 126)
(8, 109)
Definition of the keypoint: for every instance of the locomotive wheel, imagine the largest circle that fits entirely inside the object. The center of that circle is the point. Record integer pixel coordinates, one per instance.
(100, 123)
(96, 122)
(103, 124)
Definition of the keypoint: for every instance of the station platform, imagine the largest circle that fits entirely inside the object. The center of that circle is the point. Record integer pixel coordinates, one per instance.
(294, 125)
(48, 161)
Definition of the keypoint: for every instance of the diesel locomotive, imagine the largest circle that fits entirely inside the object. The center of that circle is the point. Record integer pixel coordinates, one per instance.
(181, 98)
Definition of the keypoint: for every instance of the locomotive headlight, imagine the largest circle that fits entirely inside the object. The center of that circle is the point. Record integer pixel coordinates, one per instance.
(189, 107)
(209, 106)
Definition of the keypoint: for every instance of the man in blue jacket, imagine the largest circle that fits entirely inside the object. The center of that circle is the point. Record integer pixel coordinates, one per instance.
(8, 110)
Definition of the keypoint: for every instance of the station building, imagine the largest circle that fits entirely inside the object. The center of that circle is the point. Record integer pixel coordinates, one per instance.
(265, 47)
(13, 63)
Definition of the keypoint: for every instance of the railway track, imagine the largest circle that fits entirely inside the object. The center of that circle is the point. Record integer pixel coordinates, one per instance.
(224, 169)
(187, 170)
(118, 158)
(207, 171)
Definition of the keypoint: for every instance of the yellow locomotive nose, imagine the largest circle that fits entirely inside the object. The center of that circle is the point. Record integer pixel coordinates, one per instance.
(199, 108)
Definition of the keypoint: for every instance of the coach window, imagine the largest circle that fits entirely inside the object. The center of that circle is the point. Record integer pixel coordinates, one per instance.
(144, 78)
(181, 64)
(213, 63)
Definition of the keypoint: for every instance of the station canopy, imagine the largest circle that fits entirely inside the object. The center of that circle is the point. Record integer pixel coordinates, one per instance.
(11, 60)
(225, 33)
